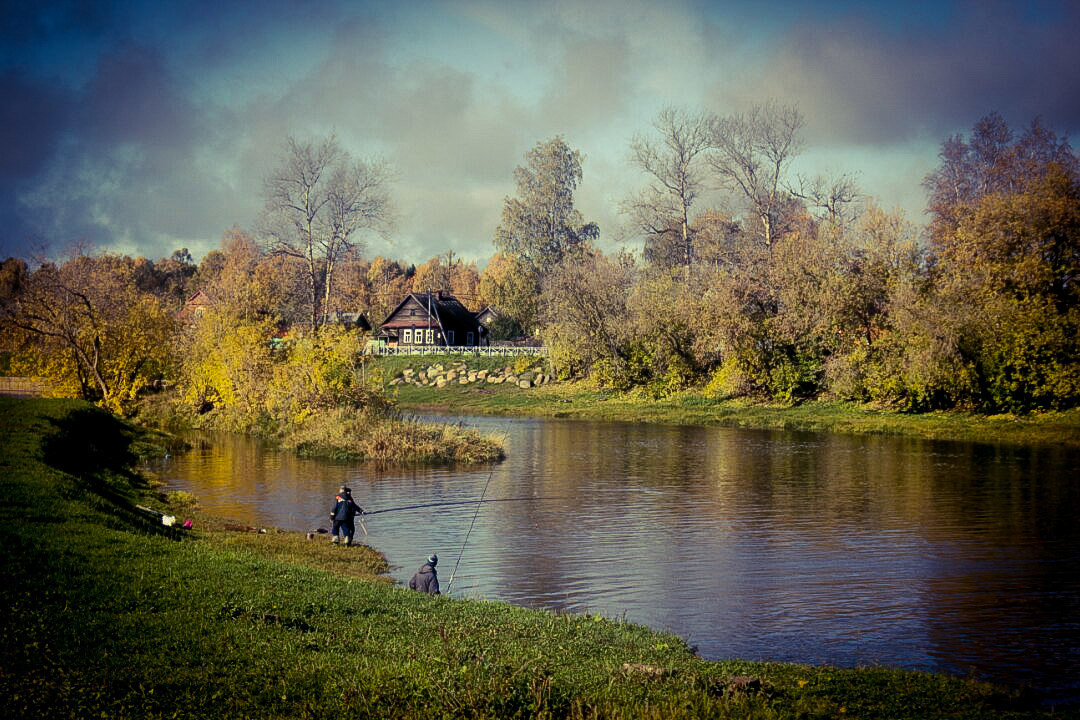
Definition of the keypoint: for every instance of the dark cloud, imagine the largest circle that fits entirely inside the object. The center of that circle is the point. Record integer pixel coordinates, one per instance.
(865, 83)
(28, 23)
(31, 118)
(589, 84)
(133, 98)
(126, 161)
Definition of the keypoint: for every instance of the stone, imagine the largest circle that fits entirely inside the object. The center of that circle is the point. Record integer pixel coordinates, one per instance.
(647, 670)
(524, 383)
(743, 684)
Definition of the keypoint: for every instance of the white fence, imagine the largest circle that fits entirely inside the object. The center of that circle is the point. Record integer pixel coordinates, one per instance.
(22, 387)
(473, 350)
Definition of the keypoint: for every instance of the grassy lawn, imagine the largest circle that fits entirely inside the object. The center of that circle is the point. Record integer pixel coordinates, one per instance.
(107, 613)
(578, 400)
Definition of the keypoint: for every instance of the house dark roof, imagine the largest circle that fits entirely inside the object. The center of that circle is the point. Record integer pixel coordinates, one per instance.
(446, 313)
(351, 321)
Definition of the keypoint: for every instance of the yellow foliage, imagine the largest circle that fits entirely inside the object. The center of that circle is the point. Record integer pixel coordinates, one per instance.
(224, 362)
(727, 381)
(89, 331)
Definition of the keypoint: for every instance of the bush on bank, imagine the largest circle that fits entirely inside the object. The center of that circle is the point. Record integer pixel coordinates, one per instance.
(110, 614)
(312, 394)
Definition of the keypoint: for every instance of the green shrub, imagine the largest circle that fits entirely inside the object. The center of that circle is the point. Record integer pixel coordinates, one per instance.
(727, 381)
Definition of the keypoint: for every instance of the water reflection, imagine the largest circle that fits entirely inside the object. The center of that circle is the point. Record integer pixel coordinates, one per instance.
(756, 545)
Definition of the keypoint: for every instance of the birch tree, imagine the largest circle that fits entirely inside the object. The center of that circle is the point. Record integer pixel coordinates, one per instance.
(750, 155)
(541, 225)
(319, 201)
(674, 158)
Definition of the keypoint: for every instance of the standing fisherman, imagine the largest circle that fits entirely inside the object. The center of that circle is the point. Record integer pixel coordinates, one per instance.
(345, 509)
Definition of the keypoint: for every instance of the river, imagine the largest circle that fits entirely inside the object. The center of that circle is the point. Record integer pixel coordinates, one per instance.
(755, 545)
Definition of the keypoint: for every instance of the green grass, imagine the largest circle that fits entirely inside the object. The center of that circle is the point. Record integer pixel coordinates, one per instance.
(109, 614)
(581, 401)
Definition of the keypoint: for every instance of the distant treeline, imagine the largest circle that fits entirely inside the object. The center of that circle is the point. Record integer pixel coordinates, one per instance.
(795, 289)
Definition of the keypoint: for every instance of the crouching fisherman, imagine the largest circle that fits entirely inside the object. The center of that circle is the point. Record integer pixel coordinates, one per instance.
(345, 510)
(426, 580)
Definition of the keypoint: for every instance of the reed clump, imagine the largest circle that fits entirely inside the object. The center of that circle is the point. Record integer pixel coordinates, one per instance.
(356, 434)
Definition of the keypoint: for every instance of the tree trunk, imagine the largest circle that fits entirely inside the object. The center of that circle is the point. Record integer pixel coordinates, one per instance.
(313, 292)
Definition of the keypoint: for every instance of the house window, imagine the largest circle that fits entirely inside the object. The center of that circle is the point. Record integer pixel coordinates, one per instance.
(406, 337)
(428, 338)
(470, 338)
(449, 337)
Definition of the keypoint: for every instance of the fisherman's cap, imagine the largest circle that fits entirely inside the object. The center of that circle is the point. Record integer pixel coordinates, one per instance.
(433, 558)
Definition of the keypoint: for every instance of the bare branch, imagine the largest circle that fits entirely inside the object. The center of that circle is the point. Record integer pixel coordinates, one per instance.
(750, 155)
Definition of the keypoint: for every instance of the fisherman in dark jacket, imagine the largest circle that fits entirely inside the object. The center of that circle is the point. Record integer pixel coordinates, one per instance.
(345, 509)
(426, 580)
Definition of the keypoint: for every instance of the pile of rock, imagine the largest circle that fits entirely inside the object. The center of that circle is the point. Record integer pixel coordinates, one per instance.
(459, 374)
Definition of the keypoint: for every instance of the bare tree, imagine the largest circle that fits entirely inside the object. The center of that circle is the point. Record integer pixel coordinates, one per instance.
(750, 155)
(674, 160)
(317, 201)
(832, 199)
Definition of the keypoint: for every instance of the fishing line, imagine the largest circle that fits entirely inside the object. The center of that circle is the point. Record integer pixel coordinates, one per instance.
(462, 551)
(464, 502)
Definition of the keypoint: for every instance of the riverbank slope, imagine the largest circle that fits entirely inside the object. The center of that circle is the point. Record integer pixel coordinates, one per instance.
(581, 401)
(108, 612)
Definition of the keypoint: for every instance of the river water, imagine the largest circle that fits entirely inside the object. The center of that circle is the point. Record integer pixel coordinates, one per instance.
(755, 545)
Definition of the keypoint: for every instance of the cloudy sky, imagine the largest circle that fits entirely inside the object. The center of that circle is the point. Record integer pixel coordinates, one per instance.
(143, 127)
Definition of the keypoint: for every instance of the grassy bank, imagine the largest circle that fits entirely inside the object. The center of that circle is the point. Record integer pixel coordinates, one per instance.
(107, 613)
(580, 401)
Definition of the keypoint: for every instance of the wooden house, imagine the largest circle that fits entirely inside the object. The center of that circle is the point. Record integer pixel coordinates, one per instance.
(349, 321)
(432, 319)
(487, 316)
(195, 306)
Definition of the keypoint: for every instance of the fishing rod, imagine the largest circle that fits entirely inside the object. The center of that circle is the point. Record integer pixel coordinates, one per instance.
(462, 502)
(462, 551)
